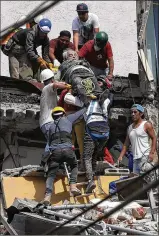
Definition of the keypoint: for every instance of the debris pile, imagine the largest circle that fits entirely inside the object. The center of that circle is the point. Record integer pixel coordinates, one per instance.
(19, 98)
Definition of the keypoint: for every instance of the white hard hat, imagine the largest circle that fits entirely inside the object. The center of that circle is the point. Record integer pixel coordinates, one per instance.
(46, 74)
(38, 18)
(20, 19)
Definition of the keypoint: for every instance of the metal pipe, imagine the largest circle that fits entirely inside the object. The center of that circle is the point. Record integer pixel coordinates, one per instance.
(132, 231)
(63, 207)
(64, 216)
(86, 222)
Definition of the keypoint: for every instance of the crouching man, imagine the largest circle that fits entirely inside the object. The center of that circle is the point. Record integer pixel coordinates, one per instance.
(60, 145)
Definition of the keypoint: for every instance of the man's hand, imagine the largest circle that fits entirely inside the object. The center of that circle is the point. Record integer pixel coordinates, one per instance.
(120, 158)
(109, 77)
(151, 157)
(42, 63)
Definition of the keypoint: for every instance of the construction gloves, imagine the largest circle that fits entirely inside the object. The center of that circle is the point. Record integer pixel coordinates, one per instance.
(56, 63)
(42, 63)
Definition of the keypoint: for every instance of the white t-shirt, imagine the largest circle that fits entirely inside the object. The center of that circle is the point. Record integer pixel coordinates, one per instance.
(85, 29)
(48, 101)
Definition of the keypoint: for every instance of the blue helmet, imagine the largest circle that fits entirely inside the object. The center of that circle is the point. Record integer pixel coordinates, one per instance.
(45, 25)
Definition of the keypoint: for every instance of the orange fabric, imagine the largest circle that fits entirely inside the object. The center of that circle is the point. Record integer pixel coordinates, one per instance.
(108, 157)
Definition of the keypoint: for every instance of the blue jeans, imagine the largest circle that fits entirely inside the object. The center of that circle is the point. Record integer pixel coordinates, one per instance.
(45, 129)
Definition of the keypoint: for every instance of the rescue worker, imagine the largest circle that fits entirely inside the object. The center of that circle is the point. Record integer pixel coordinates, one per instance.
(138, 135)
(84, 26)
(78, 74)
(58, 45)
(78, 128)
(60, 146)
(96, 134)
(6, 44)
(48, 99)
(98, 52)
(24, 53)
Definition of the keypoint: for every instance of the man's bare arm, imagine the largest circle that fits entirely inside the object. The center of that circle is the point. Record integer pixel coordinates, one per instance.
(151, 133)
(111, 66)
(76, 39)
(61, 85)
(51, 54)
(124, 148)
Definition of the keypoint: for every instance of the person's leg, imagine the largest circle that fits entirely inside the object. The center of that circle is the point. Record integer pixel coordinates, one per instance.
(25, 68)
(70, 158)
(79, 128)
(13, 66)
(87, 158)
(136, 166)
(53, 167)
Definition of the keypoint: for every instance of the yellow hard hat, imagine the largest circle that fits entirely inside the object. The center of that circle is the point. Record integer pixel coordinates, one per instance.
(58, 111)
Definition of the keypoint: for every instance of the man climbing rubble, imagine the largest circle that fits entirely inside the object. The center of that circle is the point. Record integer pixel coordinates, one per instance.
(60, 146)
(26, 61)
(48, 99)
(138, 135)
(78, 74)
(98, 53)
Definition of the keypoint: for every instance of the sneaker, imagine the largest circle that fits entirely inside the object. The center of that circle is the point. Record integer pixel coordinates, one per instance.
(91, 185)
(74, 191)
(47, 200)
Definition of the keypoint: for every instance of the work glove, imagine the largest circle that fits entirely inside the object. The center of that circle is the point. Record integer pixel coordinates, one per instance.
(42, 63)
(68, 86)
(56, 63)
(50, 66)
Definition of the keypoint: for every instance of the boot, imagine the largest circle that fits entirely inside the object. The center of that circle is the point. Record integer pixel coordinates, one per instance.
(47, 200)
(91, 185)
(74, 191)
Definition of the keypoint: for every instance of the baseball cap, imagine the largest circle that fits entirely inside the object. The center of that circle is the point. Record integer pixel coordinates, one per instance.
(138, 107)
(82, 7)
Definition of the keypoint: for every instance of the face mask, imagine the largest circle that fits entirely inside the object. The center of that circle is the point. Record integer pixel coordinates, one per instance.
(96, 48)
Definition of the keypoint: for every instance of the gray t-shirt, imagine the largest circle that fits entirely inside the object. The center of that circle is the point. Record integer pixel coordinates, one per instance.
(48, 101)
(85, 29)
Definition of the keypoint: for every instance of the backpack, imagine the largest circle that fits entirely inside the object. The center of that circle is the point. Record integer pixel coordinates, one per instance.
(97, 129)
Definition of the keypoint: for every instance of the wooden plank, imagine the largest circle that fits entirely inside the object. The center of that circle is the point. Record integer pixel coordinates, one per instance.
(34, 188)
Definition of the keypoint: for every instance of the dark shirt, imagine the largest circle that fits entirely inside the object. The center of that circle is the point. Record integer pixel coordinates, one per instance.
(58, 51)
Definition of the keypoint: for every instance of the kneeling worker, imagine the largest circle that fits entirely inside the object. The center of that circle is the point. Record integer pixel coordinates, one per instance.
(60, 145)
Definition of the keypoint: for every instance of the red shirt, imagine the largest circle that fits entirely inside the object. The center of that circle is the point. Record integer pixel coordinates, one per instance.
(62, 103)
(58, 51)
(96, 58)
